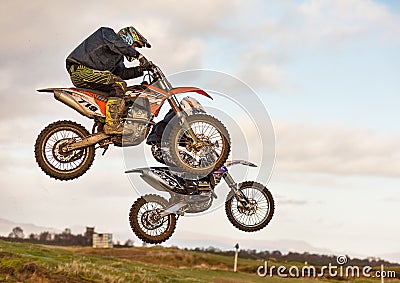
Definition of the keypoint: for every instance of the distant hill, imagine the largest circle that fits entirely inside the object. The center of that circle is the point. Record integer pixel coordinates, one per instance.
(6, 226)
(190, 239)
(392, 256)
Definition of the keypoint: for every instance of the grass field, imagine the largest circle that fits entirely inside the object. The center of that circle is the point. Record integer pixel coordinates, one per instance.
(21, 262)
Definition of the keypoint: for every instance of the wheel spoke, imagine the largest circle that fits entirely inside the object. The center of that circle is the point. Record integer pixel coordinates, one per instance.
(207, 133)
(259, 212)
(65, 162)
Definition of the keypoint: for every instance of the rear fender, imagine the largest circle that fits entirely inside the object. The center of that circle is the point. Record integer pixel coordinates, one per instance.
(86, 103)
(51, 90)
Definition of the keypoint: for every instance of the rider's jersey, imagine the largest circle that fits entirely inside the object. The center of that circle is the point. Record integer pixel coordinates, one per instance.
(104, 50)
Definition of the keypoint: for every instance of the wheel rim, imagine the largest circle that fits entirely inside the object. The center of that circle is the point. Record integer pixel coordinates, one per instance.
(207, 155)
(54, 155)
(148, 219)
(258, 211)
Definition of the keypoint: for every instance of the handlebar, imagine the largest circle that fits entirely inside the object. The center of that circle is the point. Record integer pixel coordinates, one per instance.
(159, 77)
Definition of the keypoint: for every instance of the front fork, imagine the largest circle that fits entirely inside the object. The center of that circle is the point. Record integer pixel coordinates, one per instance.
(235, 189)
(182, 120)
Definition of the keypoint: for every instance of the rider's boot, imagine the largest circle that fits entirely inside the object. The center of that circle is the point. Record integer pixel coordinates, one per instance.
(114, 109)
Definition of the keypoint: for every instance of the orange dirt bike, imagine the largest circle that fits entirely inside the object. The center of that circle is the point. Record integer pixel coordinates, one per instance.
(194, 144)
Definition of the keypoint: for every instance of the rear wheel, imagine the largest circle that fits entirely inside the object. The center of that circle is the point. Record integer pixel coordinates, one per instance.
(194, 161)
(54, 160)
(146, 221)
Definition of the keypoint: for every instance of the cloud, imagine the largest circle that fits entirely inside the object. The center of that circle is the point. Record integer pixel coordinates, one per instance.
(40, 27)
(331, 23)
(336, 149)
(305, 179)
(268, 49)
(270, 76)
(347, 20)
(287, 201)
(34, 48)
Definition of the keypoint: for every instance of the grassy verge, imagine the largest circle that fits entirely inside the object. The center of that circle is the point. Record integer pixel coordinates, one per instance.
(21, 262)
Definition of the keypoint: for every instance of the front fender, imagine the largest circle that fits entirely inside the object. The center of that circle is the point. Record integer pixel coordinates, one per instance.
(178, 90)
(242, 162)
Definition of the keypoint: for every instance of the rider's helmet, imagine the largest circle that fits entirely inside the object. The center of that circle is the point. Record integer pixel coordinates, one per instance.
(131, 36)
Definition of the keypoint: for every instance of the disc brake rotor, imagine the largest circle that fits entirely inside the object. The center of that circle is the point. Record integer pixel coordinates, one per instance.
(204, 150)
(248, 211)
(151, 220)
(204, 143)
(65, 157)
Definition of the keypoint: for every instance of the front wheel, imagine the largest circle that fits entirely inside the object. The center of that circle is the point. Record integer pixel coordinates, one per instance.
(53, 160)
(183, 156)
(146, 221)
(259, 211)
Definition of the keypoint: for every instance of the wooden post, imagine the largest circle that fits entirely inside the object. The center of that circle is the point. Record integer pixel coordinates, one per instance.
(236, 257)
(382, 278)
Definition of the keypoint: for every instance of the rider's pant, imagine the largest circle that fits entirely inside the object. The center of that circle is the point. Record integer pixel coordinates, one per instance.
(84, 77)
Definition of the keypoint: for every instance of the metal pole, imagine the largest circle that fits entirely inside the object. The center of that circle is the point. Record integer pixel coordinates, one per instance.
(236, 257)
(382, 278)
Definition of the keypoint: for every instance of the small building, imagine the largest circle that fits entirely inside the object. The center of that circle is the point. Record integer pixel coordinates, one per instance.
(89, 235)
(102, 241)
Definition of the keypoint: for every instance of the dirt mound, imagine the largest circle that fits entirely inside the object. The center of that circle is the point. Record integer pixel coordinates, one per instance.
(32, 273)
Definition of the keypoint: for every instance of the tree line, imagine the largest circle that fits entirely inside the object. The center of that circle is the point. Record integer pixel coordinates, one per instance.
(309, 258)
(65, 238)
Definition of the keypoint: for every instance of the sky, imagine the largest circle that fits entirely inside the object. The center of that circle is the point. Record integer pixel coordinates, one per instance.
(324, 74)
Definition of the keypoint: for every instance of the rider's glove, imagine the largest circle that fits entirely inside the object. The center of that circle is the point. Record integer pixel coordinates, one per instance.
(144, 63)
(130, 59)
(139, 71)
(135, 56)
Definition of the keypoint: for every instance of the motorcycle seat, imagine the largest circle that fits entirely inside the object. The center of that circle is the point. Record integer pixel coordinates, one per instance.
(102, 93)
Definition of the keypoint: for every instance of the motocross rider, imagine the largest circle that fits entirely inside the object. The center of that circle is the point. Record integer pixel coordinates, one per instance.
(98, 63)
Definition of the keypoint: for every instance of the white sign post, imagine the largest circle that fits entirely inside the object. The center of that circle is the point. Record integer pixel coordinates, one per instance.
(236, 257)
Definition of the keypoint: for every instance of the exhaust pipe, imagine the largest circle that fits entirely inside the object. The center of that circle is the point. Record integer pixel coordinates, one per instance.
(158, 179)
(155, 181)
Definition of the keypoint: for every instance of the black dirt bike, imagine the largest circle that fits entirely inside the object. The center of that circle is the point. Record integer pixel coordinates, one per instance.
(249, 205)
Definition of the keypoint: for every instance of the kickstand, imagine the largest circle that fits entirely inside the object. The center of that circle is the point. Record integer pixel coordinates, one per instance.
(105, 149)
